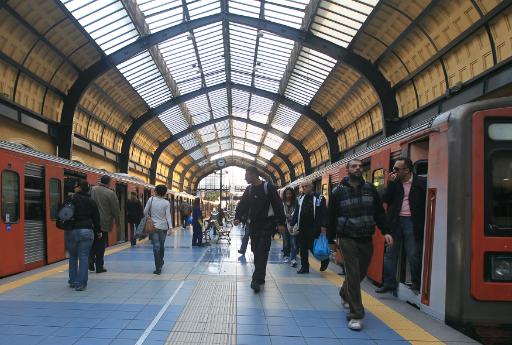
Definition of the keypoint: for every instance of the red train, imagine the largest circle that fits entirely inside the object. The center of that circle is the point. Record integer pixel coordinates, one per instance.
(466, 155)
(33, 185)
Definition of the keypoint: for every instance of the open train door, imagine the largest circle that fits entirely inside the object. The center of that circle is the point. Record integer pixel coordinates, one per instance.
(54, 177)
(379, 163)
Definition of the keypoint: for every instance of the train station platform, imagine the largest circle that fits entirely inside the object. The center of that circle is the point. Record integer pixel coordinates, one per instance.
(202, 297)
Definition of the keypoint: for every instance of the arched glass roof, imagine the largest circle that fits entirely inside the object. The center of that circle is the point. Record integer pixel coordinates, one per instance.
(220, 53)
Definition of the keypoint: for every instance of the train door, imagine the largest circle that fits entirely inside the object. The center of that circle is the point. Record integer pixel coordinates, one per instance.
(54, 236)
(35, 249)
(377, 167)
(122, 231)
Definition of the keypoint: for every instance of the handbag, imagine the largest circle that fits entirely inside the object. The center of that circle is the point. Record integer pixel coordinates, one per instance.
(294, 230)
(149, 224)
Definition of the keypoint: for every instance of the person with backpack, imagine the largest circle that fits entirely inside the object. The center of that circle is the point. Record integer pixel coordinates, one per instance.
(159, 210)
(262, 207)
(311, 219)
(354, 209)
(185, 211)
(84, 223)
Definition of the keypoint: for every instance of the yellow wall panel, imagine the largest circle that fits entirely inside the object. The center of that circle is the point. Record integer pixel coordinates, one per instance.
(501, 29)
(469, 58)
(7, 79)
(93, 160)
(139, 174)
(406, 99)
(42, 15)
(64, 78)
(392, 68)
(412, 7)
(414, 49)
(376, 115)
(342, 142)
(487, 5)
(52, 106)
(21, 134)
(43, 61)
(368, 47)
(364, 125)
(430, 84)
(118, 143)
(351, 134)
(387, 25)
(95, 129)
(29, 94)
(80, 123)
(108, 139)
(15, 40)
(66, 37)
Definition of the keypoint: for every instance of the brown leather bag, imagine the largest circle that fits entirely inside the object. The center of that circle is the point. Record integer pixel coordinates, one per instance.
(149, 226)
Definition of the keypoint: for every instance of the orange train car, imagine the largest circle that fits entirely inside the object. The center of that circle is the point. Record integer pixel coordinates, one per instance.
(466, 156)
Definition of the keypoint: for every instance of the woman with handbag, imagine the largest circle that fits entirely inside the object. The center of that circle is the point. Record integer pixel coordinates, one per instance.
(158, 223)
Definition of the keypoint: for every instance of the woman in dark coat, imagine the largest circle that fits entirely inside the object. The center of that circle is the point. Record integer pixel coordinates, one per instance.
(134, 213)
(197, 216)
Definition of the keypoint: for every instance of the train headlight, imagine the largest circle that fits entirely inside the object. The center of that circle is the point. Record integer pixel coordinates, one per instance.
(501, 268)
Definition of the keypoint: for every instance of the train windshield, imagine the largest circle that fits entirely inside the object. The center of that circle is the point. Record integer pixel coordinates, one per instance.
(501, 190)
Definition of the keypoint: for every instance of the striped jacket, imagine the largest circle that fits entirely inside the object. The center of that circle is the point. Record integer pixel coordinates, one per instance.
(355, 211)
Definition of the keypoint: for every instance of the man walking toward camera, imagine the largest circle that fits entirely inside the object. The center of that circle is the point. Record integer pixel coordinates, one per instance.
(262, 208)
(355, 208)
(406, 197)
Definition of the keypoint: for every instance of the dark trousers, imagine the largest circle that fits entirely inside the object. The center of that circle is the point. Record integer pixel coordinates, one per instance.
(197, 234)
(245, 239)
(306, 241)
(260, 245)
(286, 243)
(357, 253)
(98, 251)
(406, 236)
(133, 240)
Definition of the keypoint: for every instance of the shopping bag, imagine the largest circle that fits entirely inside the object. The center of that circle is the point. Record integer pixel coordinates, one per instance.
(321, 248)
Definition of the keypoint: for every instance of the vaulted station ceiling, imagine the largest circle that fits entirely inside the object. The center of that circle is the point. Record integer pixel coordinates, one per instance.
(167, 87)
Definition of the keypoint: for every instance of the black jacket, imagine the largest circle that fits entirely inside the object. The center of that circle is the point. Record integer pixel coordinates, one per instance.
(87, 215)
(321, 214)
(134, 211)
(353, 212)
(255, 204)
(394, 195)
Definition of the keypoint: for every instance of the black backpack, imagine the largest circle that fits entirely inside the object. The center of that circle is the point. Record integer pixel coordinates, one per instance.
(66, 216)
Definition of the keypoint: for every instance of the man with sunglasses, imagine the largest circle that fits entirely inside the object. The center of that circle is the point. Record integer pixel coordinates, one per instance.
(405, 195)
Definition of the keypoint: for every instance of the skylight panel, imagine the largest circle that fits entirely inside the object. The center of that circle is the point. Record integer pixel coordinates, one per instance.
(219, 102)
(188, 142)
(309, 73)
(203, 163)
(260, 108)
(216, 77)
(249, 8)
(210, 46)
(222, 125)
(207, 133)
(266, 154)
(160, 15)
(174, 120)
(214, 148)
(199, 109)
(285, 119)
(240, 103)
(251, 148)
(150, 85)
(289, 13)
(273, 140)
(339, 20)
(242, 42)
(203, 8)
(238, 145)
(254, 133)
(197, 155)
(225, 144)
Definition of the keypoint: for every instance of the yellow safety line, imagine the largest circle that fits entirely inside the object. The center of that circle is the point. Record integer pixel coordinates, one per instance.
(38, 276)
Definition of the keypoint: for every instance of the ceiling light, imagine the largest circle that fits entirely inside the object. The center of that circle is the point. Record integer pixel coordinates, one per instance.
(189, 36)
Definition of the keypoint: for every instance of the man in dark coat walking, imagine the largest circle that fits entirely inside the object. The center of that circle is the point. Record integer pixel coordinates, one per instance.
(134, 213)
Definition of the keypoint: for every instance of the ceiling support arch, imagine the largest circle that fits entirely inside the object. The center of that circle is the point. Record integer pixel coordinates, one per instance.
(164, 144)
(368, 70)
(278, 153)
(253, 163)
(237, 161)
(322, 123)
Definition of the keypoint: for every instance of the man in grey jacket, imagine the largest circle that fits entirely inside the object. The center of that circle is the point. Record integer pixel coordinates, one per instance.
(108, 205)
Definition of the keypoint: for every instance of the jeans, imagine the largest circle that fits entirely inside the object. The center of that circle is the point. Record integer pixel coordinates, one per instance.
(245, 239)
(158, 240)
(133, 227)
(357, 253)
(405, 234)
(286, 243)
(293, 247)
(197, 234)
(78, 244)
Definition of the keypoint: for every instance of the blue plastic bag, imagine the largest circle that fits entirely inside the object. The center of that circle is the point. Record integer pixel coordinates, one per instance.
(188, 220)
(321, 248)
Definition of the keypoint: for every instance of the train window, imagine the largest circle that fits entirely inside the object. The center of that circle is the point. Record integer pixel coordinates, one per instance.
(500, 131)
(10, 196)
(499, 203)
(55, 197)
(421, 167)
(34, 187)
(378, 179)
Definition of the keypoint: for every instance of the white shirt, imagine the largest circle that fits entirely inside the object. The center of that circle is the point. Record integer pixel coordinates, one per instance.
(160, 212)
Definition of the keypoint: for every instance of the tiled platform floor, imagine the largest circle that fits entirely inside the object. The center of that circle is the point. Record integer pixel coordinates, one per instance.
(202, 297)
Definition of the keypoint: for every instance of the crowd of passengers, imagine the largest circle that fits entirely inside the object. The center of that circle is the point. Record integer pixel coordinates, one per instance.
(355, 207)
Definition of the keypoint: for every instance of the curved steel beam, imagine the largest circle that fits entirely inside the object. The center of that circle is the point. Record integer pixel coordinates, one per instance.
(187, 168)
(305, 155)
(237, 161)
(322, 123)
(381, 85)
(182, 155)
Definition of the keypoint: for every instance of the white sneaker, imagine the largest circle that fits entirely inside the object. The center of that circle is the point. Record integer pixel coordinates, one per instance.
(294, 263)
(285, 260)
(355, 324)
